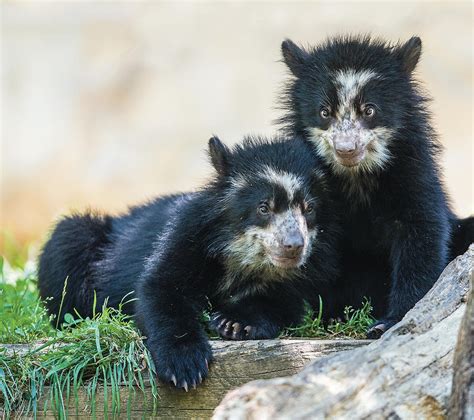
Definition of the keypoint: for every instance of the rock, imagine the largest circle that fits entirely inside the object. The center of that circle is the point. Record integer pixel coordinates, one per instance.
(462, 395)
(406, 374)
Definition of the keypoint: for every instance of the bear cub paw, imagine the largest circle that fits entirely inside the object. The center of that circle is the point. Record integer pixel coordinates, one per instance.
(230, 328)
(184, 366)
(377, 329)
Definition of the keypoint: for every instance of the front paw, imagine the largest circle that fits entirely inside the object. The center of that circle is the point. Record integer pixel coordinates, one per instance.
(234, 329)
(377, 329)
(183, 365)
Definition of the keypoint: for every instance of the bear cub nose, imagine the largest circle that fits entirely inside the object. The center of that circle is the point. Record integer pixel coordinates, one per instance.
(293, 244)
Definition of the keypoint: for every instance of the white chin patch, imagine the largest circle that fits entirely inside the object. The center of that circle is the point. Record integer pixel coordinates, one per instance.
(254, 253)
(375, 155)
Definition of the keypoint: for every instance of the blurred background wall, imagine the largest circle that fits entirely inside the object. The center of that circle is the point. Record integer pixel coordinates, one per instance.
(108, 104)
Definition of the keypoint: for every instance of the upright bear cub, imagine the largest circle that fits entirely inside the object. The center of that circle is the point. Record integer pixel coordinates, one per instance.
(248, 243)
(355, 99)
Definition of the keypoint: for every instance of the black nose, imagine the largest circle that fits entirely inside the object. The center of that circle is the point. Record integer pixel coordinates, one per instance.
(293, 244)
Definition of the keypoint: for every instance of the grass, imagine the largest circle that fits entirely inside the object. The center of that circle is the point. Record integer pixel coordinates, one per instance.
(105, 352)
(23, 318)
(354, 324)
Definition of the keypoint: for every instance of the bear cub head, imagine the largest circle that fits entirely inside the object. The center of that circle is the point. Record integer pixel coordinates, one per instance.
(269, 196)
(352, 97)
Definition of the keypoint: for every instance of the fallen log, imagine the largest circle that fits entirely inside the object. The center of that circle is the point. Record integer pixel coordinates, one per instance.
(236, 363)
(406, 374)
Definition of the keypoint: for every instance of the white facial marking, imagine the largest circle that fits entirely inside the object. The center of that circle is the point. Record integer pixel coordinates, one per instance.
(375, 139)
(250, 253)
(347, 126)
(348, 84)
(376, 157)
(290, 182)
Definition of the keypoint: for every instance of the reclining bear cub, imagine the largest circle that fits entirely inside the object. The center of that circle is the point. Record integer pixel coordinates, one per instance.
(252, 243)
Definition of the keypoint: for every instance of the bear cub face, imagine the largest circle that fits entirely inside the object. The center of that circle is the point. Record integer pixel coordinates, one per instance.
(350, 96)
(269, 211)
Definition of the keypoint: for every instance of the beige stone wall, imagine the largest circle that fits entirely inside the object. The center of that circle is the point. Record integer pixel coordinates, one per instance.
(107, 104)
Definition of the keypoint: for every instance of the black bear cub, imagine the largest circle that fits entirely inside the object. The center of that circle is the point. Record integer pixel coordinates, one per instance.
(355, 99)
(248, 243)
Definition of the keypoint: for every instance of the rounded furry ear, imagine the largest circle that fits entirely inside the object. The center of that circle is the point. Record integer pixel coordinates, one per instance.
(409, 53)
(220, 156)
(294, 57)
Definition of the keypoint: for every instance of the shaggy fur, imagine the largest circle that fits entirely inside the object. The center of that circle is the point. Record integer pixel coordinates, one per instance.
(356, 101)
(249, 243)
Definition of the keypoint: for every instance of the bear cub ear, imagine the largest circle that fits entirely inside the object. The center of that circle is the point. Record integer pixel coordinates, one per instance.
(409, 54)
(220, 156)
(294, 57)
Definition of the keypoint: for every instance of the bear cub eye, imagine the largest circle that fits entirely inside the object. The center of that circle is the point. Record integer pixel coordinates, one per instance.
(369, 111)
(325, 112)
(309, 208)
(264, 209)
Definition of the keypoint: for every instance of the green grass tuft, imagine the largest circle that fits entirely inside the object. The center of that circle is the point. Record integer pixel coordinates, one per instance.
(354, 325)
(105, 351)
(23, 319)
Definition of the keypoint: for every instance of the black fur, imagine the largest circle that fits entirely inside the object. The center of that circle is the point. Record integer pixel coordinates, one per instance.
(68, 259)
(172, 252)
(462, 235)
(399, 232)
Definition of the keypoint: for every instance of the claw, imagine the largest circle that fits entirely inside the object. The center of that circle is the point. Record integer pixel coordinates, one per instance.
(200, 376)
(194, 385)
(228, 325)
(185, 386)
(207, 364)
(173, 379)
(380, 328)
(221, 324)
(376, 331)
(248, 329)
(237, 327)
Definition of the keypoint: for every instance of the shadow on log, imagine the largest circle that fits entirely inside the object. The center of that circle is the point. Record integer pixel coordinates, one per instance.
(406, 374)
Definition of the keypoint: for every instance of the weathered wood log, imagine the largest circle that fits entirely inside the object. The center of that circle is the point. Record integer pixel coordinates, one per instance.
(462, 395)
(236, 363)
(406, 374)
